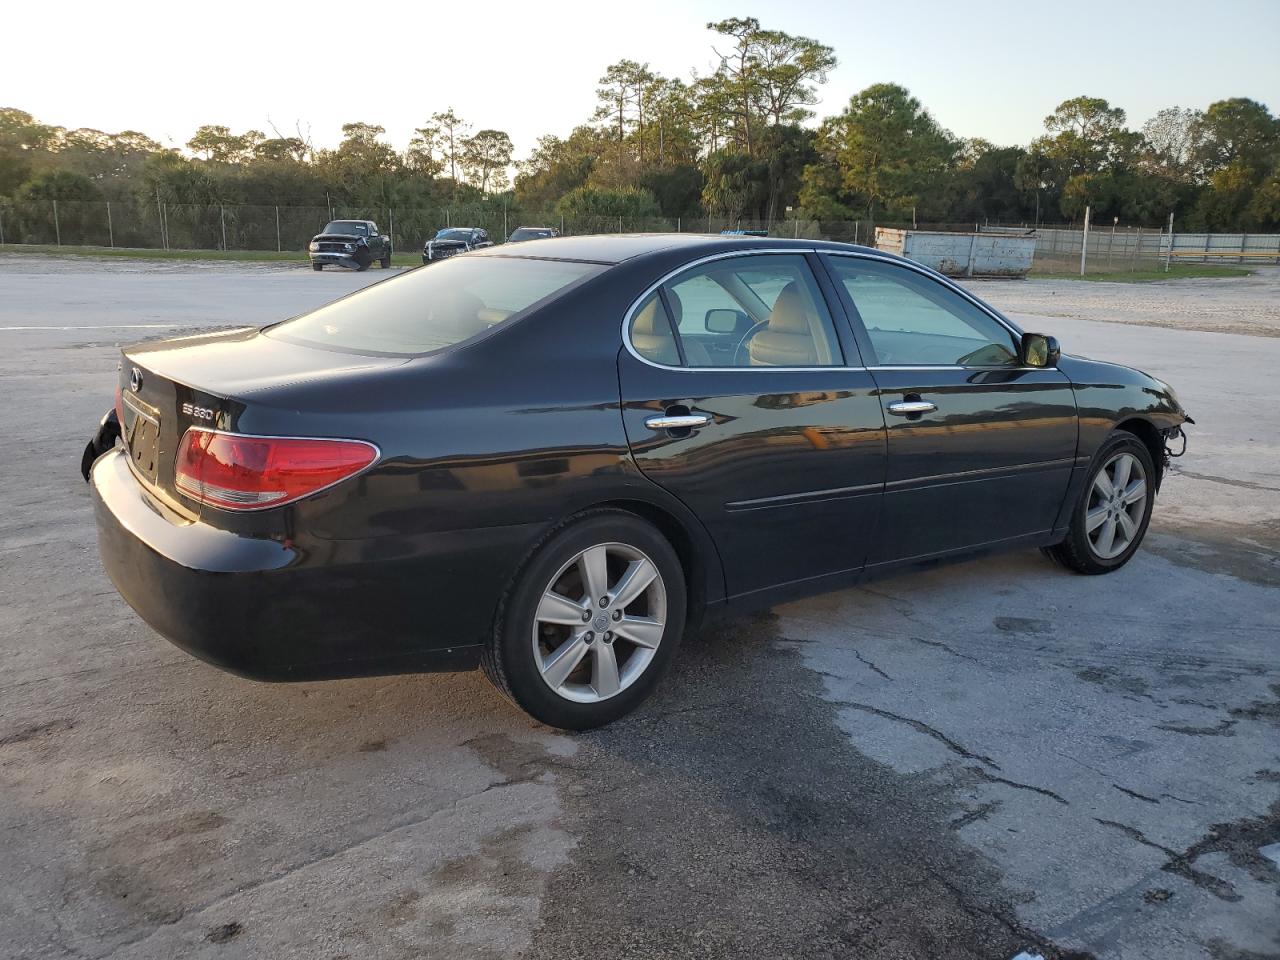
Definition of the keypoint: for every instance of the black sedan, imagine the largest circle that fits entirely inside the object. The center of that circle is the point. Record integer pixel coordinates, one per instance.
(553, 461)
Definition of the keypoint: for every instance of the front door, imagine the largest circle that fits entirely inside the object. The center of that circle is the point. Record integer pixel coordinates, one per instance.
(737, 399)
(981, 448)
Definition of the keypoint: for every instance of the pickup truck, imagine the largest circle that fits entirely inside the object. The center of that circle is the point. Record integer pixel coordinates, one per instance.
(349, 243)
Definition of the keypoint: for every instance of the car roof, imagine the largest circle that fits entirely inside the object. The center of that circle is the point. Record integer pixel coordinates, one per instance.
(615, 248)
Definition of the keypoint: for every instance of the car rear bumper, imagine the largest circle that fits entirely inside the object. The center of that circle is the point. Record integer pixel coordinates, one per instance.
(267, 610)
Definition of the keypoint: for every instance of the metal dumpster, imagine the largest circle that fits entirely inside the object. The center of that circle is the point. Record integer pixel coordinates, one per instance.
(962, 254)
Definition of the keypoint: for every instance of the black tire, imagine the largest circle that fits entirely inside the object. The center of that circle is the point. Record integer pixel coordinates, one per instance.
(317, 267)
(1077, 551)
(509, 657)
(386, 261)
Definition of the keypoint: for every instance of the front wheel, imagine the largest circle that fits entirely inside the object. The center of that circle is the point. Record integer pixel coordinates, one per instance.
(386, 261)
(317, 267)
(1111, 518)
(591, 623)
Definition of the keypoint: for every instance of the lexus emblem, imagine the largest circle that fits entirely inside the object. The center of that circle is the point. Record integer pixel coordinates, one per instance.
(135, 380)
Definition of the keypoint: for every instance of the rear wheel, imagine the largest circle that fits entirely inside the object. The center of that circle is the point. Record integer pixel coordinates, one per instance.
(386, 261)
(591, 622)
(1111, 519)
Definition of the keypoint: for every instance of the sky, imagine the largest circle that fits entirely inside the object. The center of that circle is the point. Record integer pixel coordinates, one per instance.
(983, 69)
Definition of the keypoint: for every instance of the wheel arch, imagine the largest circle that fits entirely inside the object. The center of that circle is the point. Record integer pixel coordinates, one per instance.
(1151, 438)
(698, 559)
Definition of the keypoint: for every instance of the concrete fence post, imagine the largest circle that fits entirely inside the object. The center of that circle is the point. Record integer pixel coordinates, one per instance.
(1168, 257)
(1137, 252)
(277, 229)
(1, 228)
(1084, 239)
(111, 234)
(222, 216)
(57, 231)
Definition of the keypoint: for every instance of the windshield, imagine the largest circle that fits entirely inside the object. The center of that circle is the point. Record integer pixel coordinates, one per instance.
(427, 310)
(529, 234)
(351, 228)
(456, 233)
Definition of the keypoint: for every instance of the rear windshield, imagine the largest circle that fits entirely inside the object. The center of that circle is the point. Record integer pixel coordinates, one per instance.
(432, 308)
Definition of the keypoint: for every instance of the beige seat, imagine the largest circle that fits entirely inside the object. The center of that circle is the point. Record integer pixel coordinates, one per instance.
(651, 335)
(787, 339)
(695, 354)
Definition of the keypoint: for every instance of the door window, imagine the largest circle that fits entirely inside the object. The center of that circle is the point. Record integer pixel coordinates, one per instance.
(651, 333)
(913, 320)
(756, 311)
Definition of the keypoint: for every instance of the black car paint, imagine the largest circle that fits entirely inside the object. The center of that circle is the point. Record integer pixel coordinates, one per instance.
(403, 567)
(441, 247)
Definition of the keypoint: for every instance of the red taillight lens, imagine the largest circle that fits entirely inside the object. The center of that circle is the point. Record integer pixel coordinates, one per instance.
(248, 473)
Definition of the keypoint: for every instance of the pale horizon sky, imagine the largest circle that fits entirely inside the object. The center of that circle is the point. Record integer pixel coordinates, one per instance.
(982, 68)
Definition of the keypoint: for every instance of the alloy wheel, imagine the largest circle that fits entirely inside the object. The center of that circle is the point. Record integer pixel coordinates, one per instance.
(599, 622)
(1117, 504)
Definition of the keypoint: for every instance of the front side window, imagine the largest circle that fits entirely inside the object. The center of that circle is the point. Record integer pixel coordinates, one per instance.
(913, 320)
(755, 311)
(423, 311)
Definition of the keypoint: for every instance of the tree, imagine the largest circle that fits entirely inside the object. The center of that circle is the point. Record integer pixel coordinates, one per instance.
(422, 155)
(787, 68)
(557, 166)
(737, 73)
(486, 157)
(628, 202)
(887, 146)
(220, 145)
(1234, 130)
(452, 130)
(1088, 136)
(1173, 138)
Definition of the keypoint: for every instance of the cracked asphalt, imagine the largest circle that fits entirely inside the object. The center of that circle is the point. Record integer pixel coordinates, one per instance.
(963, 763)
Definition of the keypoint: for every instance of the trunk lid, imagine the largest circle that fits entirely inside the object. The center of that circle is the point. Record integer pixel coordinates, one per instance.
(209, 381)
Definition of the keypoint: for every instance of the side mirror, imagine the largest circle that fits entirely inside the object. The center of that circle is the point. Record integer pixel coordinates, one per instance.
(1039, 350)
(722, 320)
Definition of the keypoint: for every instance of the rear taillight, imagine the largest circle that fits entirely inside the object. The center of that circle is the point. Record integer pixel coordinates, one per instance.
(239, 472)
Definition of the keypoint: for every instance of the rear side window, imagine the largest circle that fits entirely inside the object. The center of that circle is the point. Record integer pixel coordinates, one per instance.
(433, 308)
(762, 310)
(651, 333)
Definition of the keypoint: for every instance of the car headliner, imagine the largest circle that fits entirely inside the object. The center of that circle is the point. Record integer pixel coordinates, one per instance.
(615, 248)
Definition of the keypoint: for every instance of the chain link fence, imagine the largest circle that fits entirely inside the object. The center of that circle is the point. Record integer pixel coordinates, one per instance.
(158, 224)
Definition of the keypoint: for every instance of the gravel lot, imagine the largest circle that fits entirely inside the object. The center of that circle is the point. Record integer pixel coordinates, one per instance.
(966, 763)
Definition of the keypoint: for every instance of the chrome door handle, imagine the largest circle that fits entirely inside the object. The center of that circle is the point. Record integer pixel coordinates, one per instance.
(904, 408)
(683, 421)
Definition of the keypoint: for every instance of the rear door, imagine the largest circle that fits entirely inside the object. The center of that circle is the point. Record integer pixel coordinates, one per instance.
(980, 447)
(767, 427)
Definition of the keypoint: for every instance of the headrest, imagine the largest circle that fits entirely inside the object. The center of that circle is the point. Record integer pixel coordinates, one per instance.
(789, 314)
